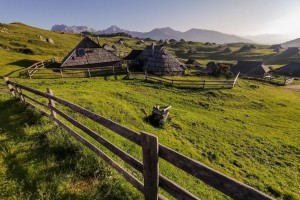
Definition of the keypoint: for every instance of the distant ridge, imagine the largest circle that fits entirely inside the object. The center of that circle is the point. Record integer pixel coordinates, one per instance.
(71, 29)
(292, 43)
(167, 33)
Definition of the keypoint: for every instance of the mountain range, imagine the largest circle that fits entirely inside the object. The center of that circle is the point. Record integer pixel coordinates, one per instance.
(197, 35)
(72, 29)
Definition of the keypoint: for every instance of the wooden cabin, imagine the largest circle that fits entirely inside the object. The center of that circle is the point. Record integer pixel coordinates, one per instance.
(89, 54)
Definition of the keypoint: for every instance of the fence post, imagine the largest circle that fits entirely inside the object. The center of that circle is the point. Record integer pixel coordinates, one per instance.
(51, 103)
(150, 165)
(61, 74)
(235, 80)
(89, 72)
(19, 90)
(10, 87)
(203, 84)
(28, 72)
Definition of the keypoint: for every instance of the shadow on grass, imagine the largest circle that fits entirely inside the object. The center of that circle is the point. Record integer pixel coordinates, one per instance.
(46, 163)
(23, 63)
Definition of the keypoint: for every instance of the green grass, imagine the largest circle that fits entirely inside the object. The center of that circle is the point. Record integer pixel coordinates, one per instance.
(38, 160)
(249, 133)
(21, 37)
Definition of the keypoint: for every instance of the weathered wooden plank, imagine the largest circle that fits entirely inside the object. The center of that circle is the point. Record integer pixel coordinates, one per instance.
(35, 101)
(51, 103)
(211, 177)
(38, 109)
(21, 95)
(117, 128)
(61, 73)
(10, 87)
(117, 151)
(131, 179)
(175, 190)
(235, 80)
(150, 163)
(190, 81)
(161, 197)
(89, 73)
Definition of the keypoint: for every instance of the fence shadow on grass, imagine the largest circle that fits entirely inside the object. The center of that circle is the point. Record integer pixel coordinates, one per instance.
(40, 158)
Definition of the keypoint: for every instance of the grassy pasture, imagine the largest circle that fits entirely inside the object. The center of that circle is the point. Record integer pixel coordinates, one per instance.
(249, 133)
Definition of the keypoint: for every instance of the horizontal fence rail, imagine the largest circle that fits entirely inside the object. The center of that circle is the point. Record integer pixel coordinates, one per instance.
(151, 148)
(40, 65)
(203, 84)
(40, 70)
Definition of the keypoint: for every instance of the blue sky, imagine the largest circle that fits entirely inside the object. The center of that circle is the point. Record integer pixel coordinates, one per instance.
(240, 17)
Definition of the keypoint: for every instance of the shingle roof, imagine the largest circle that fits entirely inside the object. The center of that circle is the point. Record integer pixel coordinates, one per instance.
(250, 68)
(133, 54)
(160, 61)
(89, 54)
(291, 69)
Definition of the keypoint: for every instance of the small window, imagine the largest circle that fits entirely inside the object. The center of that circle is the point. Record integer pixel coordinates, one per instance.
(80, 52)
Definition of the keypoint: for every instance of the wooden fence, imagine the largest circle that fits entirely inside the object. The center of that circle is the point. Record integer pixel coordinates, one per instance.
(152, 150)
(40, 65)
(66, 72)
(202, 84)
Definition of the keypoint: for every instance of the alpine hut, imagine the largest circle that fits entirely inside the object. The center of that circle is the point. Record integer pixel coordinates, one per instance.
(131, 58)
(191, 63)
(160, 62)
(250, 69)
(88, 54)
(292, 69)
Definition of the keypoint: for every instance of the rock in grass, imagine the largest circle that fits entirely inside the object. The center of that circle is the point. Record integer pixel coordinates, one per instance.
(49, 40)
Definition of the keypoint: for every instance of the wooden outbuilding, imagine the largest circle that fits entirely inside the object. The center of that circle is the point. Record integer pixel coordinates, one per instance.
(89, 54)
(250, 68)
(160, 62)
(292, 69)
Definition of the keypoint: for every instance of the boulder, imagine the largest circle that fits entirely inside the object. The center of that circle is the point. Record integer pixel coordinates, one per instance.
(49, 40)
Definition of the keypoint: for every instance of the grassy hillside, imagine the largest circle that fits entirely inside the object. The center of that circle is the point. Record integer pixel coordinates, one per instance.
(249, 133)
(38, 160)
(21, 46)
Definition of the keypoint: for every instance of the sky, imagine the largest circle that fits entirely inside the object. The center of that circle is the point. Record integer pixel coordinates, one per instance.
(239, 17)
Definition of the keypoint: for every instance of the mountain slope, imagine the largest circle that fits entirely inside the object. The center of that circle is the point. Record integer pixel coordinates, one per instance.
(197, 35)
(292, 43)
(167, 33)
(71, 29)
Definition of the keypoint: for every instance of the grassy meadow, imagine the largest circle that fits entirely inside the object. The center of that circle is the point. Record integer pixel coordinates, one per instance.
(250, 132)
